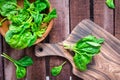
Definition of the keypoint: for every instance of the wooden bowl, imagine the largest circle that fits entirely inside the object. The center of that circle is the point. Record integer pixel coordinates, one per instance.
(5, 26)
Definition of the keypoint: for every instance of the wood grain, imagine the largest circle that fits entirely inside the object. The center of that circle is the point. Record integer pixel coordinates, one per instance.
(59, 32)
(103, 15)
(117, 19)
(38, 70)
(105, 66)
(79, 10)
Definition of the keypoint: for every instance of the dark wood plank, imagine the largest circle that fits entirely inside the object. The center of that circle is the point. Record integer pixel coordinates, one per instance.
(103, 15)
(1, 60)
(9, 68)
(38, 70)
(79, 10)
(117, 19)
(59, 32)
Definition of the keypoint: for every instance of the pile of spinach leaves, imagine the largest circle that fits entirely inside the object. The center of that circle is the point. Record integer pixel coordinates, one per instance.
(26, 22)
(84, 50)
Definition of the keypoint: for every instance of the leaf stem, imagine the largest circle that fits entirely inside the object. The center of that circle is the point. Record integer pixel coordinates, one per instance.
(2, 21)
(8, 57)
(63, 63)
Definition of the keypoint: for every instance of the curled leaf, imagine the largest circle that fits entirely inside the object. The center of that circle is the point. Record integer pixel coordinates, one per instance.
(110, 3)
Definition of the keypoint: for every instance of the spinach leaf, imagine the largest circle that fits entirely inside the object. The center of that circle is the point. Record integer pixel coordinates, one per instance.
(9, 8)
(37, 17)
(110, 3)
(26, 4)
(55, 71)
(20, 65)
(25, 61)
(46, 2)
(50, 16)
(84, 50)
(20, 18)
(81, 60)
(20, 72)
(39, 33)
(40, 6)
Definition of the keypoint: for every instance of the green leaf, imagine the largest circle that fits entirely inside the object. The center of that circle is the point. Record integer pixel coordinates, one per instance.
(20, 72)
(26, 4)
(22, 16)
(9, 8)
(100, 41)
(20, 40)
(15, 28)
(37, 17)
(78, 62)
(93, 44)
(84, 50)
(46, 2)
(50, 16)
(55, 71)
(40, 6)
(40, 32)
(110, 3)
(25, 61)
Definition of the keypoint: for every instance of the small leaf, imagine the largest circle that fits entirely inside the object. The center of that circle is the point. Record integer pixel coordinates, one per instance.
(37, 18)
(20, 72)
(40, 6)
(93, 44)
(25, 61)
(55, 71)
(110, 3)
(81, 61)
(26, 4)
(50, 16)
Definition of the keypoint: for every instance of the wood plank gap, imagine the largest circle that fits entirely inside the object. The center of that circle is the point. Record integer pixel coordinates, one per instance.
(92, 10)
(1, 59)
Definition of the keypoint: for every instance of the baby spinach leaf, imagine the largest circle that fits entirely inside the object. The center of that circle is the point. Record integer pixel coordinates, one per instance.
(20, 72)
(55, 71)
(46, 2)
(50, 16)
(15, 29)
(39, 33)
(40, 6)
(84, 50)
(9, 8)
(26, 4)
(110, 3)
(20, 65)
(25, 61)
(79, 62)
(37, 17)
(20, 18)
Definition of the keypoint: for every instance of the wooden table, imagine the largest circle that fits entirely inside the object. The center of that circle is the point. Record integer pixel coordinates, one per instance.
(70, 13)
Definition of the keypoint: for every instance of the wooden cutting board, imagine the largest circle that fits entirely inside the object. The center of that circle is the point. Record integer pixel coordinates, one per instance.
(104, 66)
